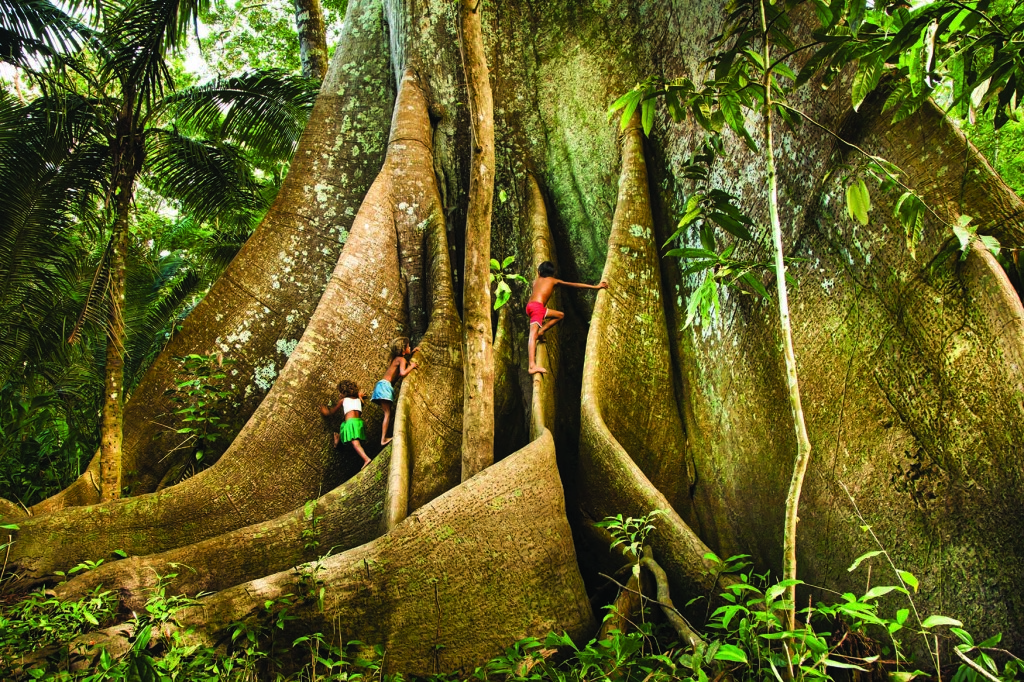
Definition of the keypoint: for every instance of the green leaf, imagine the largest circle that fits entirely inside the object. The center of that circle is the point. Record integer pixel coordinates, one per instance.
(866, 78)
(876, 592)
(495, 266)
(858, 201)
(908, 578)
(754, 284)
(647, 116)
(631, 106)
(502, 197)
(936, 621)
(707, 238)
(10, 526)
(837, 664)
(730, 652)
(963, 636)
(991, 243)
(732, 226)
(863, 557)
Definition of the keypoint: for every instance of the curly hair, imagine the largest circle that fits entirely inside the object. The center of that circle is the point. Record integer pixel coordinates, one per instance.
(398, 346)
(348, 388)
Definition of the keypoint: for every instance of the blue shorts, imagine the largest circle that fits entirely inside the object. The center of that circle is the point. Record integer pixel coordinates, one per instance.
(383, 392)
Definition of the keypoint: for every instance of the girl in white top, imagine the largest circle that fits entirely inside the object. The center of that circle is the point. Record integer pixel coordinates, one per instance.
(352, 429)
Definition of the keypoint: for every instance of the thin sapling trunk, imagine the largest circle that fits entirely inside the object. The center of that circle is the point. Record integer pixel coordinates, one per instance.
(478, 397)
(803, 442)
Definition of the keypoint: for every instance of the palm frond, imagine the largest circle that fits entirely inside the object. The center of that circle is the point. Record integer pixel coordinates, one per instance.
(264, 111)
(210, 178)
(37, 28)
(141, 36)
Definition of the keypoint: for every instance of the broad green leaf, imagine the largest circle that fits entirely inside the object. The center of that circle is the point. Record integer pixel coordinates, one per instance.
(731, 226)
(866, 78)
(908, 578)
(863, 557)
(963, 636)
(755, 284)
(730, 652)
(876, 592)
(936, 621)
(991, 243)
(502, 197)
(495, 265)
(647, 116)
(691, 253)
(858, 201)
(507, 262)
(631, 106)
(733, 113)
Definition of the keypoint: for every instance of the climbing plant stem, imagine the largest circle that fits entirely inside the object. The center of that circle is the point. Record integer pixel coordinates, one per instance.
(803, 442)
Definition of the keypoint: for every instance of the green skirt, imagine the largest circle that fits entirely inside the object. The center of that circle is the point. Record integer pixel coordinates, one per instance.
(352, 429)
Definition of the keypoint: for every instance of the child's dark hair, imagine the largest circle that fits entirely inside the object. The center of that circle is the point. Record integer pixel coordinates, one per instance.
(348, 388)
(546, 269)
(398, 346)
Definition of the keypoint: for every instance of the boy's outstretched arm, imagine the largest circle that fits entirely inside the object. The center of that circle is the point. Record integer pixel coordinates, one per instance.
(581, 285)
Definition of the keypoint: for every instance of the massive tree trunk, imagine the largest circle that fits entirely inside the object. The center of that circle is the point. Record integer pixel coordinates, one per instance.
(911, 370)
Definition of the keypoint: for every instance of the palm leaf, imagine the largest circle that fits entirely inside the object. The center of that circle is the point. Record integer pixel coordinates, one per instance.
(139, 38)
(37, 28)
(264, 111)
(210, 178)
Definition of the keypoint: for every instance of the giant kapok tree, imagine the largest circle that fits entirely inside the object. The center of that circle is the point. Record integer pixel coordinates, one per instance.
(911, 366)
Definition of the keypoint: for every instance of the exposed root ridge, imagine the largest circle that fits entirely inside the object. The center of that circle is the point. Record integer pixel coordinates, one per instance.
(428, 418)
(543, 406)
(626, 386)
(447, 553)
(346, 517)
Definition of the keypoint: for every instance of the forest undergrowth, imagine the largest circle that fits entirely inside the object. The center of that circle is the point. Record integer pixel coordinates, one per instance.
(877, 635)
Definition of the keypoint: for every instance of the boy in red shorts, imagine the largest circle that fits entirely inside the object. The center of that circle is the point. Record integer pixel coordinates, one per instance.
(541, 317)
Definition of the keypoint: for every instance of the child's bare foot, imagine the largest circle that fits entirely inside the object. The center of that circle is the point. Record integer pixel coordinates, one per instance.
(537, 369)
(385, 441)
(337, 438)
(364, 465)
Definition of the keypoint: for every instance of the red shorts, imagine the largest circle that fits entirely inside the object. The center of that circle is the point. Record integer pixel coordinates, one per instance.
(536, 311)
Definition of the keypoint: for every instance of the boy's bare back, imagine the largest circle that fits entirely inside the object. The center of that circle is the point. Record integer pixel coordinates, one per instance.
(542, 289)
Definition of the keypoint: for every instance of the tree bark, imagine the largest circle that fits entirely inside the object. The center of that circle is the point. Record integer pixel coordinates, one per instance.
(629, 443)
(478, 392)
(111, 434)
(127, 156)
(309, 24)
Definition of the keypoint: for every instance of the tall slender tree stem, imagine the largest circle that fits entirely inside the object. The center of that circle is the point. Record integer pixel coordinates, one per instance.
(478, 393)
(803, 442)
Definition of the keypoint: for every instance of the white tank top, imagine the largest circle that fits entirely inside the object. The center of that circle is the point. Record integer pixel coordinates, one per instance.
(349, 404)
